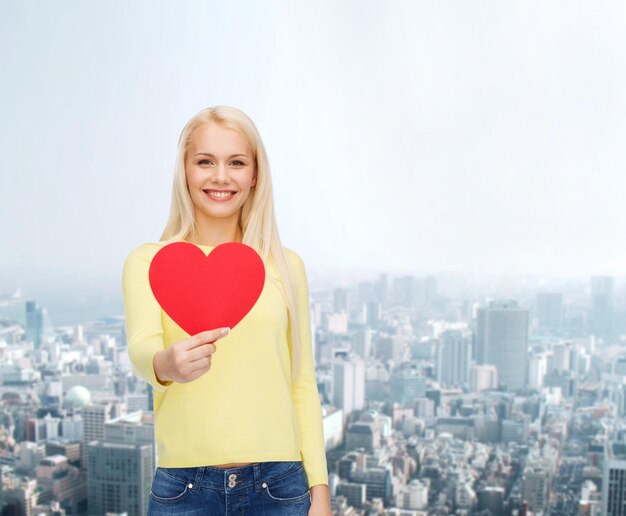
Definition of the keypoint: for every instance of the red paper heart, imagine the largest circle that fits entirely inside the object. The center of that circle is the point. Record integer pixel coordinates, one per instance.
(201, 292)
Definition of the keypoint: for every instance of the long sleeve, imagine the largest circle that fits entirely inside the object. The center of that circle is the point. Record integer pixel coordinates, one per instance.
(144, 330)
(305, 394)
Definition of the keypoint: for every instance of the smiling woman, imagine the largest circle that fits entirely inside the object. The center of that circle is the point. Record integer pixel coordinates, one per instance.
(258, 447)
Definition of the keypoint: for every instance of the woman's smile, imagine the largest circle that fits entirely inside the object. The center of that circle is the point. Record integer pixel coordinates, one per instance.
(220, 195)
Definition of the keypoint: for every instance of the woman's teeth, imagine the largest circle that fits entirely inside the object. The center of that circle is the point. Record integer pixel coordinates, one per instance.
(219, 195)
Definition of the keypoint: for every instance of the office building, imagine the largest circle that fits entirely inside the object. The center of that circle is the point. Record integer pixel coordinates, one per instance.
(502, 340)
(453, 358)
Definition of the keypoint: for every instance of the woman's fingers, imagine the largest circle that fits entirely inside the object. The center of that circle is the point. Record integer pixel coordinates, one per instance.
(202, 365)
(205, 337)
(189, 358)
(200, 352)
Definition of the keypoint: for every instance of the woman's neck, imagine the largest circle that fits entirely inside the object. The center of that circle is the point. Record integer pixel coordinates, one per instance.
(214, 238)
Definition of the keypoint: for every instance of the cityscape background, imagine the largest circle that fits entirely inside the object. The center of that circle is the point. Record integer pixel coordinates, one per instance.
(452, 175)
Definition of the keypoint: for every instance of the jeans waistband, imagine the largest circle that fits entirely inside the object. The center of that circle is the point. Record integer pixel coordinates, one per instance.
(232, 479)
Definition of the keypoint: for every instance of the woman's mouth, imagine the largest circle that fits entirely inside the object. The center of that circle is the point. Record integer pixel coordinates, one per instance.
(220, 195)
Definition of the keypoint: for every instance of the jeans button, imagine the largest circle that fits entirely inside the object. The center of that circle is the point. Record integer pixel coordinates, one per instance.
(232, 477)
(232, 483)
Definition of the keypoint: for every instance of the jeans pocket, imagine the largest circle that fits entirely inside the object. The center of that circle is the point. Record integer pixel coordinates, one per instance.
(289, 488)
(166, 488)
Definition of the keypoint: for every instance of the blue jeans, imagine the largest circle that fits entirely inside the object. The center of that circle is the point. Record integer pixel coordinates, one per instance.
(271, 488)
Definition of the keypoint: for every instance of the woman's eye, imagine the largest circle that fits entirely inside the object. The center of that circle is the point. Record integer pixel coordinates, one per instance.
(236, 162)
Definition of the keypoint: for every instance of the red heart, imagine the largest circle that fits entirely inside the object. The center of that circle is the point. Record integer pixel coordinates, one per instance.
(201, 292)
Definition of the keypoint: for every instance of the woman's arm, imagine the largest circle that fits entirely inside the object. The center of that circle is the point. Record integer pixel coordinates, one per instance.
(144, 330)
(305, 394)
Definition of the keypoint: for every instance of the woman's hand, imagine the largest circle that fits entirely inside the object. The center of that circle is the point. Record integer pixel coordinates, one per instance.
(187, 359)
(320, 501)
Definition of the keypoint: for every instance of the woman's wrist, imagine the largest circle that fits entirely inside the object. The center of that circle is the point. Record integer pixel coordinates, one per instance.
(159, 365)
(320, 491)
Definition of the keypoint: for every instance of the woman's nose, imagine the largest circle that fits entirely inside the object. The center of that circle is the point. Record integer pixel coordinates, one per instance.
(221, 173)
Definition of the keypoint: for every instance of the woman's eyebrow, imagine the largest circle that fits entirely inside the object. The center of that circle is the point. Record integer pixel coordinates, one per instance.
(212, 156)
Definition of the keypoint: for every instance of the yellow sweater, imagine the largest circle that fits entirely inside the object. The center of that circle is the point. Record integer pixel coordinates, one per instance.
(246, 407)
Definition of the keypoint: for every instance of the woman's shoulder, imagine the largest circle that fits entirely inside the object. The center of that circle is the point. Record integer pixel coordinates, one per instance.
(144, 252)
(297, 264)
(293, 256)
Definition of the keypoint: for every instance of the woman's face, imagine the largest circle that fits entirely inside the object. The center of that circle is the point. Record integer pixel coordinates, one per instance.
(220, 171)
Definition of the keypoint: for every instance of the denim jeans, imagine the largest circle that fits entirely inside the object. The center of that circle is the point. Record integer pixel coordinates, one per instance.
(270, 488)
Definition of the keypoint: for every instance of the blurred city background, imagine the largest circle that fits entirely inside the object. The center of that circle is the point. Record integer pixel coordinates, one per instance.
(453, 176)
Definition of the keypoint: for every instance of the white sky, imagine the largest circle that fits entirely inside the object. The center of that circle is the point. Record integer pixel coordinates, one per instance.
(403, 136)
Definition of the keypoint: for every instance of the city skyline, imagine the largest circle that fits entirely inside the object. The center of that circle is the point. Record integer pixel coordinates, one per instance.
(401, 367)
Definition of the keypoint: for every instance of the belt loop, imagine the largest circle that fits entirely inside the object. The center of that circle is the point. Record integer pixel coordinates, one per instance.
(199, 475)
(257, 476)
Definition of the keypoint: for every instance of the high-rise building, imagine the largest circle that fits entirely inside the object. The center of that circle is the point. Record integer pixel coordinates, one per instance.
(348, 382)
(34, 323)
(601, 305)
(363, 435)
(537, 368)
(453, 357)
(550, 310)
(491, 498)
(406, 385)
(94, 416)
(374, 313)
(561, 357)
(381, 289)
(378, 482)
(362, 342)
(134, 428)
(483, 377)
(119, 477)
(340, 300)
(366, 292)
(416, 495)
(391, 347)
(614, 479)
(502, 340)
(352, 494)
(403, 291)
(39, 328)
(535, 488)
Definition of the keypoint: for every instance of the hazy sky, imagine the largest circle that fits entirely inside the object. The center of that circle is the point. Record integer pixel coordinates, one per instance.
(403, 136)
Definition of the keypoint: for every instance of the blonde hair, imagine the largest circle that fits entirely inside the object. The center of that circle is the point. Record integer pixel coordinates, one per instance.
(257, 220)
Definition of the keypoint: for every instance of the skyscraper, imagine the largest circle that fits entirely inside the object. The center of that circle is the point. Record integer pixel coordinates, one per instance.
(94, 417)
(362, 342)
(502, 340)
(348, 382)
(549, 310)
(39, 328)
(119, 477)
(340, 299)
(601, 305)
(614, 479)
(453, 357)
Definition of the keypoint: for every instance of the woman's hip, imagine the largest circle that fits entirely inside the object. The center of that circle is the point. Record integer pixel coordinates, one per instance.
(273, 487)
